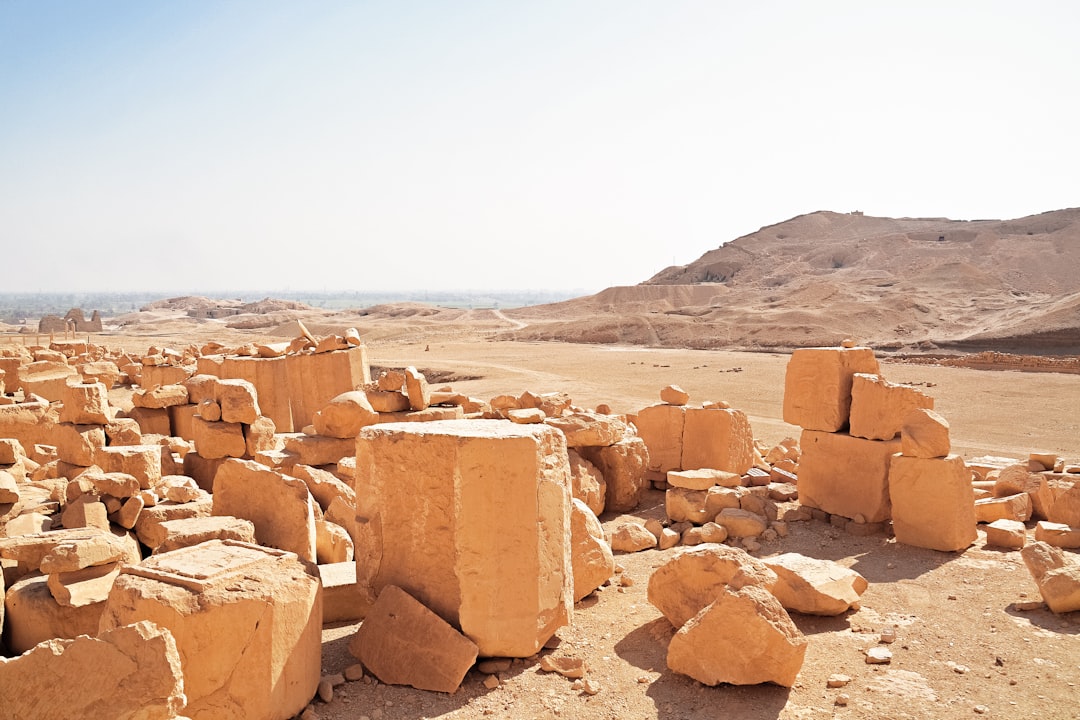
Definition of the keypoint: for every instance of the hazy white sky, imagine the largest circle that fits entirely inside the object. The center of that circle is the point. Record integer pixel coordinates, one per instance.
(205, 146)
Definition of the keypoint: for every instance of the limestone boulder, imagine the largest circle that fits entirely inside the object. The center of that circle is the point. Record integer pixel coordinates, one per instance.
(345, 415)
(404, 643)
(817, 386)
(1056, 574)
(591, 555)
(472, 518)
(815, 586)
(632, 537)
(128, 672)
(693, 578)
(744, 637)
(247, 622)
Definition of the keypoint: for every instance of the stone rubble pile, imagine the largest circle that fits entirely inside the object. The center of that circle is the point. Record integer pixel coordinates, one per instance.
(248, 496)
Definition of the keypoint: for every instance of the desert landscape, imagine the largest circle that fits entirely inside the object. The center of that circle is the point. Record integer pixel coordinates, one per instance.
(980, 316)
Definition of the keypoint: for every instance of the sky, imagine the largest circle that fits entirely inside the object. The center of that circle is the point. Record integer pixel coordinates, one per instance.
(370, 146)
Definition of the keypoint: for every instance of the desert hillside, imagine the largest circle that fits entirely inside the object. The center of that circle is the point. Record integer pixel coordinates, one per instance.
(917, 284)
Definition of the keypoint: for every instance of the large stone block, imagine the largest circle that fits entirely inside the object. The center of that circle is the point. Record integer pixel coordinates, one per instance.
(879, 407)
(141, 461)
(1056, 573)
(472, 518)
(279, 506)
(129, 672)
(33, 615)
(815, 586)
(216, 440)
(661, 427)
(247, 624)
(717, 438)
(933, 504)
(817, 385)
(593, 561)
(86, 404)
(845, 475)
(924, 434)
(78, 444)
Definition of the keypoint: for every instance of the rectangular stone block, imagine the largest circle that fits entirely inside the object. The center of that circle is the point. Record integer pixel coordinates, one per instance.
(181, 421)
(661, 427)
(717, 438)
(817, 385)
(279, 506)
(218, 439)
(152, 421)
(472, 518)
(933, 504)
(247, 623)
(845, 475)
(879, 407)
(142, 461)
(153, 376)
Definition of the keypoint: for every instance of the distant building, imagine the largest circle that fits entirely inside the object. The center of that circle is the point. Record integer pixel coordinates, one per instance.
(73, 321)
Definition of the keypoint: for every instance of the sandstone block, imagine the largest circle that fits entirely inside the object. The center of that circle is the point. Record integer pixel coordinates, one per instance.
(141, 461)
(1013, 507)
(186, 532)
(924, 434)
(744, 637)
(151, 421)
(247, 623)
(11, 451)
(215, 440)
(33, 615)
(1007, 534)
(933, 505)
(324, 486)
(817, 386)
(661, 428)
(279, 506)
(387, 401)
(332, 543)
(416, 386)
(129, 672)
(591, 556)
(587, 482)
(718, 499)
(343, 599)
(703, 478)
(741, 523)
(9, 489)
(471, 517)
(693, 578)
(845, 475)
(1056, 534)
(623, 466)
(717, 438)
(148, 528)
(160, 397)
(682, 505)
(404, 643)
(85, 511)
(87, 586)
(1065, 507)
(879, 408)
(1057, 575)
(238, 400)
(86, 404)
(587, 429)
(78, 444)
(815, 587)
(345, 415)
(319, 450)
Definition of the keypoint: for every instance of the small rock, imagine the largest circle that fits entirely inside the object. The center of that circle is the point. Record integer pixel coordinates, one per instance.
(309, 714)
(981, 709)
(491, 682)
(836, 680)
(577, 685)
(888, 635)
(842, 699)
(626, 580)
(326, 691)
(590, 687)
(354, 672)
(567, 666)
(336, 680)
(878, 656)
(493, 665)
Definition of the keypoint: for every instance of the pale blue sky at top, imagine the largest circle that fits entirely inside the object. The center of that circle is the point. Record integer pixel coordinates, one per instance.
(212, 146)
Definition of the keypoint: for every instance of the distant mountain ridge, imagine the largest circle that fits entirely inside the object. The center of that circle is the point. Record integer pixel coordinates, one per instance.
(915, 283)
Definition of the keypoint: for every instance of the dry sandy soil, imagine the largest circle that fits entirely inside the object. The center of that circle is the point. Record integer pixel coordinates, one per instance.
(968, 643)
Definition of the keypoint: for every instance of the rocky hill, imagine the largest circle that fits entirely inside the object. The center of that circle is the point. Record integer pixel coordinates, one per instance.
(901, 284)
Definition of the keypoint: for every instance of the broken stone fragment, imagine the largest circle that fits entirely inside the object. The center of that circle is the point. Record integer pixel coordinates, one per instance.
(933, 505)
(817, 385)
(1056, 574)
(585, 429)
(345, 415)
(924, 434)
(744, 637)
(694, 576)
(814, 586)
(1056, 534)
(1013, 507)
(416, 387)
(591, 555)
(566, 665)
(631, 537)
(1007, 534)
(674, 395)
(128, 672)
(402, 642)
(879, 408)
